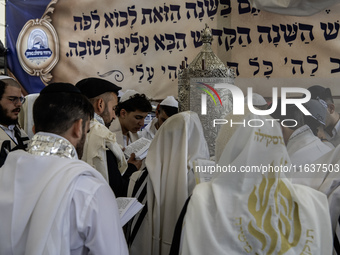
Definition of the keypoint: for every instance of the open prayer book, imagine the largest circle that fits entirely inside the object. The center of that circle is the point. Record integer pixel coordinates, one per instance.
(139, 147)
(128, 207)
(203, 169)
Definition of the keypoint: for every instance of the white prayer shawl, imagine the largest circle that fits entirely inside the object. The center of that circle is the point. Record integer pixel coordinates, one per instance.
(35, 227)
(293, 7)
(327, 180)
(25, 117)
(335, 138)
(177, 143)
(226, 131)
(241, 213)
(5, 137)
(304, 147)
(98, 141)
(116, 128)
(149, 130)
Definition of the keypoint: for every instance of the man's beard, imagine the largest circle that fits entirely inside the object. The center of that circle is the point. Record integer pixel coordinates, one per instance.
(106, 117)
(4, 119)
(80, 145)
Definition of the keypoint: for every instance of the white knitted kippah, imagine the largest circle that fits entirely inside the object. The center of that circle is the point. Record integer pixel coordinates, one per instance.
(127, 94)
(170, 101)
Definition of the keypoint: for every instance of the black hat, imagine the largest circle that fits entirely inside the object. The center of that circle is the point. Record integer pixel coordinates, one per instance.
(59, 87)
(319, 92)
(92, 87)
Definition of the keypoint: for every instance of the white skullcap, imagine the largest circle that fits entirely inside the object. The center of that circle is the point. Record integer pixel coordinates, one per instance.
(4, 77)
(257, 100)
(127, 94)
(170, 101)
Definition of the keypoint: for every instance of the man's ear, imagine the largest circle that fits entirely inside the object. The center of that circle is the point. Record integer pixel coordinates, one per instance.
(77, 129)
(33, 129)
(123, 113)
(331, 108)
(100, 105)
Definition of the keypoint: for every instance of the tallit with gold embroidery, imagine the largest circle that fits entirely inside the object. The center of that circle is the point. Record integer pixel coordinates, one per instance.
(258, 213)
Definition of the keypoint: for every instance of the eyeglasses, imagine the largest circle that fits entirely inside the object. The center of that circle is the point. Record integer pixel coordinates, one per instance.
(16, 100)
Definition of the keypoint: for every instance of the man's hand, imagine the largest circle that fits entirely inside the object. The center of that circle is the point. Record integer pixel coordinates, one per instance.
(134, 161)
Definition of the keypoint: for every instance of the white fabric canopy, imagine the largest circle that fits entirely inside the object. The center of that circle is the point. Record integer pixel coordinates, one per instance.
(293, 7)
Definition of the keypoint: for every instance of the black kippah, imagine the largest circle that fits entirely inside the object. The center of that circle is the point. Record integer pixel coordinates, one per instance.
(59, 87)
(92, 87)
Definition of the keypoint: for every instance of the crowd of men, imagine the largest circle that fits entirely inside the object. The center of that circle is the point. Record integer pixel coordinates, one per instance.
(58, 185)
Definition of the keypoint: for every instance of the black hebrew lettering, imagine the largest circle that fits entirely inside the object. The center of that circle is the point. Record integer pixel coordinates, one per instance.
(191, 6)
(312, 60)
(150, 72)
(306, 27)
(234, 65)
(173, 71)
(264, 29)
(175, 9)
(253, 62)
(297, 62)
(328, 33)
(336, 61)
(212, 6)
(172, 44)
(245, 7)
(269, 65)
(124, 21)
(108, 20)
(106, 42)
(196, 35)
(232, 34)
(201, 14)
(158, 14)
(290, 32)
(139, 68)
(132, 13)
(245, 31)
(158, 42)
(227, 10)
(84, 51)
(80, 21)
(277, 38)
(96, 48)
(74, 46)
(180, 37)
(87, 22)
(218, 33)
(96, 17)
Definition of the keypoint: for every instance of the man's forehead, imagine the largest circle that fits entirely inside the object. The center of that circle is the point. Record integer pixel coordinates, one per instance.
(139, 113)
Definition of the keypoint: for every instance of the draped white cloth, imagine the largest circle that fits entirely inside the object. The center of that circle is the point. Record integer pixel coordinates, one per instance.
(36, 194)
(304, 147)
(98, 140)
(293, 7)
(25, 117)
(326, 180)
(258, 213)
(149, 130)
(177, 143)
(116, 128)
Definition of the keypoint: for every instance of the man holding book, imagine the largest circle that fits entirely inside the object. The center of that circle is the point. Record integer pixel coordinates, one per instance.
(101, 149)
